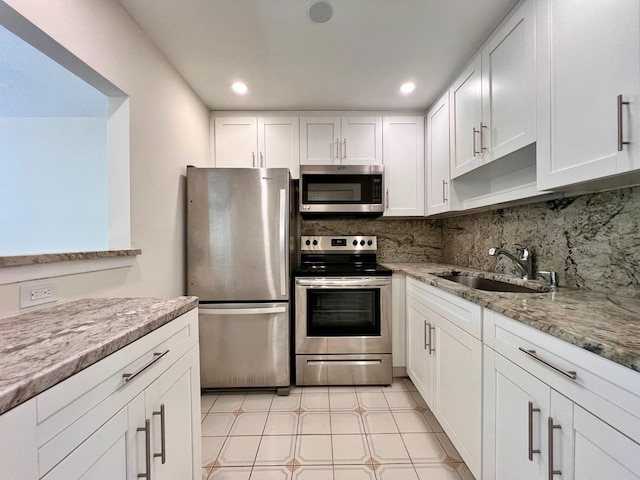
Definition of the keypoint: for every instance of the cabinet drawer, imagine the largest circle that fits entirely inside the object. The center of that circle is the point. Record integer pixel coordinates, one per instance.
(462, 313)
(609, 390)
(72, 410)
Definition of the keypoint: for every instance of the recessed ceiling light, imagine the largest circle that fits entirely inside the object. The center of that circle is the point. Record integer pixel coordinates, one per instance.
(240, 88)
(407, 88)
(320, 12)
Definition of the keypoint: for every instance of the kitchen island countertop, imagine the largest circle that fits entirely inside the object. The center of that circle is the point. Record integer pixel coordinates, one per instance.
(606, 325)
(41, 348)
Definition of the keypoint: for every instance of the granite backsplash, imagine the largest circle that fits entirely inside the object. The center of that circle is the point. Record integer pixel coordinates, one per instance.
(592, 241)
(399, 240)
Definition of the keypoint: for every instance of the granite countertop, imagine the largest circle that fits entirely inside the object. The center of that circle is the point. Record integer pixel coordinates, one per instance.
(606, 325)
(39, 349)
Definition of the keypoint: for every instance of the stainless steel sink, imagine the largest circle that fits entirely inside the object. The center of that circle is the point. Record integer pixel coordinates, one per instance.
(490, 285)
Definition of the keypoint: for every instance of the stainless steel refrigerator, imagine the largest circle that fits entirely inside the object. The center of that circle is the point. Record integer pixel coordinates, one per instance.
(239, 265)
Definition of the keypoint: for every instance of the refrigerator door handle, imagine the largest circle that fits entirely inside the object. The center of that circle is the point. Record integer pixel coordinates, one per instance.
(241, 311)
(283, 242)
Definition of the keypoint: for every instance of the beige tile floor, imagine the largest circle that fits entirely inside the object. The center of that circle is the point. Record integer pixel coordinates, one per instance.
(326, 433)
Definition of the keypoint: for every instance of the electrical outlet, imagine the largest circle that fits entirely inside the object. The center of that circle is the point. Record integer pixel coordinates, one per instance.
(38, 293)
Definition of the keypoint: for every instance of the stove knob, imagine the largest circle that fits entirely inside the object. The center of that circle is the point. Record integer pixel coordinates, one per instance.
(370, 242)
(308, 242)
(362, 243)
(315, 242)
(355, 242)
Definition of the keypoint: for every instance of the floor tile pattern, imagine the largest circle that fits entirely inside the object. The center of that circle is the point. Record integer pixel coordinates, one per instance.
(326, 433)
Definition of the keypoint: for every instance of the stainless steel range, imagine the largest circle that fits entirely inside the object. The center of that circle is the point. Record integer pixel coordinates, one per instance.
(343, 313)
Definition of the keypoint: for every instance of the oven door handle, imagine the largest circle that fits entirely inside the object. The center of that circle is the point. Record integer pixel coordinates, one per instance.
(343, 282)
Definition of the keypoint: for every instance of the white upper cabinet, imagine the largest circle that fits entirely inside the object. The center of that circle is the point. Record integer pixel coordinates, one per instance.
(589, 57)
(493, 100)
(466, 117)
(509, 86)
(259, 142)
(341, 140)
(438, 157)
(236, 141)
(403, 153)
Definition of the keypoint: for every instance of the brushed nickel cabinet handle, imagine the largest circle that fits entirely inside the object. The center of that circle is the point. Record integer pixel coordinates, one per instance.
(156, 356)
(147, 449)
(387, 199)
(621, 143)
(431, 347)
(262, 164)
(425, 335)
(444, 190)
(531, 449)
(475, 152)
(337, 148)
(550, 428)
(344, 151)
(482, 127)
(163, 443)
(567, 373)
(253, 159)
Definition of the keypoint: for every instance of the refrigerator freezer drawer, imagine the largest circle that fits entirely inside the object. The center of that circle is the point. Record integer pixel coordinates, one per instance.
(244, 345)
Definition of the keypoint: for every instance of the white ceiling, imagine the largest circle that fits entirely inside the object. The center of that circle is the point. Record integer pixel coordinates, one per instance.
(355, 61)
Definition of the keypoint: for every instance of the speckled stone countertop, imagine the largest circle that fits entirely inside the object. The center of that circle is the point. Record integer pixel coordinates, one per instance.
(603, 324)
(17, 260)
(44, 347)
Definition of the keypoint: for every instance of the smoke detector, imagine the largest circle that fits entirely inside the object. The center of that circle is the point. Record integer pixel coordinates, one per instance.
(320, 12)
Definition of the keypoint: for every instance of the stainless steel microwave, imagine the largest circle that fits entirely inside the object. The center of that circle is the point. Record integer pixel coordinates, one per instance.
(350, 189)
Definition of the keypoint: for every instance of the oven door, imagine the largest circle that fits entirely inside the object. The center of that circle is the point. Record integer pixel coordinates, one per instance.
(343, 315)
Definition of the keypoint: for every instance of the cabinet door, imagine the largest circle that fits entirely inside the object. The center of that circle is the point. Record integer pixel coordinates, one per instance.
(116, 451)
(404, 166)
(508, 86)
(438, 156)
(279, 143)
(457, 390)
(466, 116)
(601, 451)
(515, 418)
(18, 442)
(419, 357)
(172, 405)
(320, 141)
(589, 54)
(236, 142)
(361, 140)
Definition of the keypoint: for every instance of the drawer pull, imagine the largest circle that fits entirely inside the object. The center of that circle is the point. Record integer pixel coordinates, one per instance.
(530, 439)
(163, 443)
(147, 446)
(567, 373)
(550, 428)
(156, 356)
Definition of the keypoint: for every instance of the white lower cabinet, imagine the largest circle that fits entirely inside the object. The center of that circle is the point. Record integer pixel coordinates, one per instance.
(444, 361)
(134, 414)
(419, 355)
(174, 411)
(539, 423)
(116, 450)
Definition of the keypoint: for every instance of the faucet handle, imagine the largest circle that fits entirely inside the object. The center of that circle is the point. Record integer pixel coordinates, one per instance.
(552, 277)
(523, 251)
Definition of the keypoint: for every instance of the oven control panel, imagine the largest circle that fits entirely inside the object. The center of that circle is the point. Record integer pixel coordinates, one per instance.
(345, 243)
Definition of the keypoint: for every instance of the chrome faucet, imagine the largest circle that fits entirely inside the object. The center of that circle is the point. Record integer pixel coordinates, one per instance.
(551, 276)
(524, 262)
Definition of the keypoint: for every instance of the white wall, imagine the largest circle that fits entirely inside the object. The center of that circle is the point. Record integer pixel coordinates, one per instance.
(169, 129)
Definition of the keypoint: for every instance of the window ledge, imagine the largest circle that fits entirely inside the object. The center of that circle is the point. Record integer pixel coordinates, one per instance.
(19, 268)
